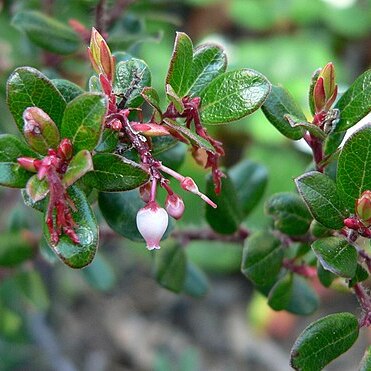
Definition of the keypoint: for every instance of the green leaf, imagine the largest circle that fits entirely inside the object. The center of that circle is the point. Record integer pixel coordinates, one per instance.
(262, 258)
(304, 299)
(28, 87)
(82, 121)
(99, 274)
(108, 142)
(366, 360)
(113, 173)
(325, 276)
(290, 214)
(233, 95)
(250, 180)
(173, 157)
(333, 142)
(354, 164)
(180, 68)
(280, 294)
(209, 61)
(171, 267)
(120, 210)
(336, 255)
(226, 218)
(37, 189)
(323, 341)
(321, 196)
(162, 144)
(80, 164)
(355, 102)
(296, 122)
(68, 89)
(78, 255)
(39, 206)
(318, 230)
(190, 135)
(196, 283)
(46, 32)
(15, 248)
(278, 104)
(131, 77)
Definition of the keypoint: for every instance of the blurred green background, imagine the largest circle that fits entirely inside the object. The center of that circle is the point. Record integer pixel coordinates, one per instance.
(286, 40)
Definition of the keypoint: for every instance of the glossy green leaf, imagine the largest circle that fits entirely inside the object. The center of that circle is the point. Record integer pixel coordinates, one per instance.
(318, 230)
(278, 104)
(303, 300)
(39, 205)
(333, 142)
(336, 255)
(226, 218)
(250, 180)
(355, 102)
(290, 214)
(37, 189)
(325, 276)
(131, 77)
(280, 294)
(366, 360)
(233, 95)
(113, 173)
(28, 87)
(80, 164)
(78, 255)
(190, 135)
(173, 157)
(354, 164)
(171, 267)
(99, 274)
(321, 196)
(108, 142)
(82, 121)
(40, 131)
(120, 210)
(296, 122)
(180, 68)
(46, 32)
(196, 283)
(15, 248)
(262, 258)
(162, 144)
(323, 341)
(68, 89)
(209, 61)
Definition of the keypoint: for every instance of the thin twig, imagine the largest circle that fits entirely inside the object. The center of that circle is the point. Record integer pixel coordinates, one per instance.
(364, 300)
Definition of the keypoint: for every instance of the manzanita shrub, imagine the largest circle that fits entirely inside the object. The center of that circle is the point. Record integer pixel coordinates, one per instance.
(112, 144)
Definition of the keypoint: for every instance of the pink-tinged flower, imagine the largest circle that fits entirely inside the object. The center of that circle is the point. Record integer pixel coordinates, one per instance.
(174, 206)
(152, 222)
(363, 208)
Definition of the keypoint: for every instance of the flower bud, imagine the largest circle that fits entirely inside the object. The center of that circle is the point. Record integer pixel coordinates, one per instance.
(100, 55)
(325, 89)
(65, 149)
(27, 163)
(351, 223)
(152, 222)
(151, 130)
(363, 208)
(39, 129)
(189, 185)
(174, 206)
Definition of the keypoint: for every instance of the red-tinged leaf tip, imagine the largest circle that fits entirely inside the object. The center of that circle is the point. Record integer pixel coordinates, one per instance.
(319, 96)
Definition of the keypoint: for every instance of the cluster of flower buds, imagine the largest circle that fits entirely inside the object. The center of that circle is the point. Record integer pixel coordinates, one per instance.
(325, 90)
(361, 221)
(152, 220)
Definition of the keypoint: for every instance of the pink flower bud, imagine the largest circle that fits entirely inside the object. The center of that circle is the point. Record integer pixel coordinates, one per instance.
(189, 185)
(65, 149)
(363, 208)
(152, 222)
(174, 206)
(151, 130)
(27, 163)
(351, 223)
